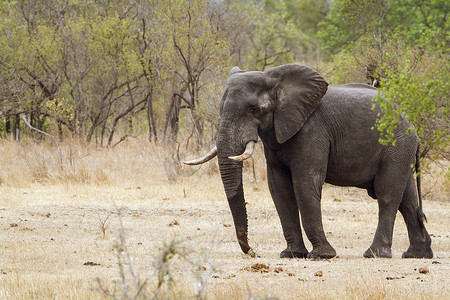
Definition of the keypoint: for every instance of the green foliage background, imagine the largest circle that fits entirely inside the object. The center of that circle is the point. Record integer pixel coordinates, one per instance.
(101, 71)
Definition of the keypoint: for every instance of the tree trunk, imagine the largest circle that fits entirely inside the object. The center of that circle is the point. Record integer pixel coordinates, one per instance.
(8, 121)
(123, 114)
(60, 131)
(173, 117)
(151, 118)
(105, 123)
(17, 128)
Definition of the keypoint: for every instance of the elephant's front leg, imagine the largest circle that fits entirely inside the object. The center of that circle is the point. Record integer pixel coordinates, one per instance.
(308, 191)
(280, 185)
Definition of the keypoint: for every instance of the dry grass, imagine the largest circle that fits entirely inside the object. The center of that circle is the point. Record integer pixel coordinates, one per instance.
(58, 211)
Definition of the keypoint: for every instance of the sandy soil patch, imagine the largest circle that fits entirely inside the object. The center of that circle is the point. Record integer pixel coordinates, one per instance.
(56, 240)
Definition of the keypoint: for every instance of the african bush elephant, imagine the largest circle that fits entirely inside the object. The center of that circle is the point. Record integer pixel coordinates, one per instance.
(315, 133)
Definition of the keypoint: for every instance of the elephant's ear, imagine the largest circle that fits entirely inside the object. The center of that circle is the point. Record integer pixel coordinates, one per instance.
(298, 90)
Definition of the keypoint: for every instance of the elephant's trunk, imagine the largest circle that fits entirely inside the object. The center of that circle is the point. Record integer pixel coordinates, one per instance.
(231, 172)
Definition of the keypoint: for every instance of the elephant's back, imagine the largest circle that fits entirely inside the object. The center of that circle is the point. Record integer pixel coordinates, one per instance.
(350, 95)
(349, 115)
(349, 107)
(352, 107)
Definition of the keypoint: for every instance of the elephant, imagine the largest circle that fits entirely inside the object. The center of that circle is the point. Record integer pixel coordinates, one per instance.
(313, 133)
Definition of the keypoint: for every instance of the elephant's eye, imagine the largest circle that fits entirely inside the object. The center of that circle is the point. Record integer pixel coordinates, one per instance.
(254, 109)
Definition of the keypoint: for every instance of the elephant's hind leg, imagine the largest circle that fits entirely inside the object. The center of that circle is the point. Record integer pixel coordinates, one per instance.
(280, 186)
(382, 242)
(419, 239)
(389, 193)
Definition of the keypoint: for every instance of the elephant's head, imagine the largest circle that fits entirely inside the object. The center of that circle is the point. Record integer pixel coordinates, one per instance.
(277, 101)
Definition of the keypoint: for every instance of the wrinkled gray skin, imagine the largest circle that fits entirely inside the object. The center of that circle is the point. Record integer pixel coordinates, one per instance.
(315, 133)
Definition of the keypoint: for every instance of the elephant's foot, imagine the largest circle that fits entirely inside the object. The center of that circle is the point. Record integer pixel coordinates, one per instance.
(322, 252)
(293, 254)
(292, 251)
(415, 252)
(378, 252)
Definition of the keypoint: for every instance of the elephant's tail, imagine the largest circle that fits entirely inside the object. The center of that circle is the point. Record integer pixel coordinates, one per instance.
(420, 215)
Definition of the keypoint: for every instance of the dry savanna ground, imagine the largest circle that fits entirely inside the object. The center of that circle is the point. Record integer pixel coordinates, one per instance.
(83, 223)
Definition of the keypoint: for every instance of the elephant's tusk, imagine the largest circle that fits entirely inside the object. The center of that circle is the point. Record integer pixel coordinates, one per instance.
(247, 153)
(208, 156)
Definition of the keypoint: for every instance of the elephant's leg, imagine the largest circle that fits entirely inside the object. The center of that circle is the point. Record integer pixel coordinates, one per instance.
(389, 188)
(419, 239)
(308, 192)
(280, 185)
(382, 242)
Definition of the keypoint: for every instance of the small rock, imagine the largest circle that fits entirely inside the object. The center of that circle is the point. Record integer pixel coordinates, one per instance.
(258, 267)
(91, 263)
(173, 223)
(278, 270)
(424, 270)
(291, 274)
(435, 262)
(13, 225)
(337, 200)
(318, 273)
(226, 225)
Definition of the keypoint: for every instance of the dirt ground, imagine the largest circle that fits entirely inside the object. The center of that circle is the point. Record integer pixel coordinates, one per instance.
(59, 241)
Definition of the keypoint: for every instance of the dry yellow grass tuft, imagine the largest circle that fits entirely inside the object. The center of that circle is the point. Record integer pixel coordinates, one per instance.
(68, 240)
